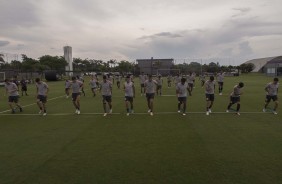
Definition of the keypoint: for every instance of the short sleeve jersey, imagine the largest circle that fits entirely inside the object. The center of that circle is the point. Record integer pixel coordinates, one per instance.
(236, 91)
(220, 77)
(209, 87)
(272, 88)
(142, 79)
(182, 89)
(42, 88)
(128, 89)
(93, 83)
(150, 86)
(12, 89)
(76, 86)
(106, 88)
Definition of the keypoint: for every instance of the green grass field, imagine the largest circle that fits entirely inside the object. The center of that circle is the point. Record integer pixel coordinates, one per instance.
(165, 148)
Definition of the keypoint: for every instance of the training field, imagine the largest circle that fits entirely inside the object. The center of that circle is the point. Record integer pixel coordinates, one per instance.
(166, 148)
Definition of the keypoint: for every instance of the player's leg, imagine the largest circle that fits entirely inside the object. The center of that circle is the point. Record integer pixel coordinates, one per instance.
(179, 104)
(184, 106)
(16, 101)
(151, 106)
(267, 100)
(275, 99)
(131, 105)
(148, 102)
(77, 102)
(109, 101)
(104, 105)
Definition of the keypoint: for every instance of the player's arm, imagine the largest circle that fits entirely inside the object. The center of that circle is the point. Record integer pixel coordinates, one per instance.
(133, 88)
(267, 88)
(47, 91)
(145, 87)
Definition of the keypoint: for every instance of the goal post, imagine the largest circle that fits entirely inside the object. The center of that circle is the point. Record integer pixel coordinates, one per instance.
(166, 72)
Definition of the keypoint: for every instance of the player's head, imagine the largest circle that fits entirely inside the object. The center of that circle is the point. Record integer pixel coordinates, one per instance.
(275, 80)
(128, 78)
(37, 80)
(7, 81)
(150, 77)
(241, 84)
(183, 80)
(159, 76)
(211, 78)
(104, 78)
(73, 78)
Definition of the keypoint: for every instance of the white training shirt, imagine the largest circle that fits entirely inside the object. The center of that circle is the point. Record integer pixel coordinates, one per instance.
(128, 89)
(182, 89)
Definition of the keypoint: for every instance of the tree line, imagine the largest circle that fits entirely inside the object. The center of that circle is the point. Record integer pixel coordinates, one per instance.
(58, 63)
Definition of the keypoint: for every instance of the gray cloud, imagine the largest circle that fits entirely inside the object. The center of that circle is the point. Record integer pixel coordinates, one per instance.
(162, 34)
(242, 11)
(4, 43)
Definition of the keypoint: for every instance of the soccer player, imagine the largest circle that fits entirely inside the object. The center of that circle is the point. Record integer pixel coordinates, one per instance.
(150, 86)
(220, 79)
(142, 79)
(42, 90)
(209, 89)
(271, 94)
(190, 81)
(24, 87)
(129, 90)
(181, 92)
(93, 85)
(76, 87)
(67, 88)
(159, 85)
(193, 79)
(13, 95)
(177, 79)
(235, 97)
(169, 79)
(202, 78)
(106, 90)
(118, 78)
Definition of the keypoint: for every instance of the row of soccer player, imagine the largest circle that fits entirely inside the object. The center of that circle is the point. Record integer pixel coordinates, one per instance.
(182, 88)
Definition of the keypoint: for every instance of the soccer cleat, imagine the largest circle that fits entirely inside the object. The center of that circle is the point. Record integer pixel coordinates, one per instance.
(151, 113)
(178, 111)
(44, 114)
(67, 97)
(105, 114)
(132, 111)
(40, 112)
(238, 113)
(111, 111)
(227, 110)
(127, 114)
(184, 114)
(220, 93)
(78, 111)
(207, 113)
(210, 111)
(274, 112)
(263, 110)
(149, 110)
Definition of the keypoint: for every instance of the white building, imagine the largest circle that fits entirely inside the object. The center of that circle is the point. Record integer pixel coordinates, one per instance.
(68, 58)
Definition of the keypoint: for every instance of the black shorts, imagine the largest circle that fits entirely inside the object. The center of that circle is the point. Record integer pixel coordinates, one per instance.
(220, 83)
(269, 98)
(159, 87)
(182, 99)
(107, 99)
(210, 97)
(74, 96)
(13, 99)
(142, 85)
(128, 98)
(190, 85)
(150, 96)
(67, 89)
(234, 99)
(24, 88)
(42, 98)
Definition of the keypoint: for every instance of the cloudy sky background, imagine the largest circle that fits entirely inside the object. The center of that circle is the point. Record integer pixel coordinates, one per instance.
(232, 30)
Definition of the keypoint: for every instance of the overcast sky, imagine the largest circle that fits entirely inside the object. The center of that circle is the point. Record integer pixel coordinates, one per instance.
(135, 29)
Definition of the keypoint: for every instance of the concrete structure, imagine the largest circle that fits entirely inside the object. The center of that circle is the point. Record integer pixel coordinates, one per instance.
(271, 66)
(68, 58)
(155, 66)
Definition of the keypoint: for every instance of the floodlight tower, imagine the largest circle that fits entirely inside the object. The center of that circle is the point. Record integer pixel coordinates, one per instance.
(68, 58)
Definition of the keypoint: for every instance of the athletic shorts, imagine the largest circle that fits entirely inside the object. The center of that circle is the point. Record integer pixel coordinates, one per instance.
(74, 96)
(190, 85)
(159, 87)
(210, 97)
(67, 89)
(182, 99)
(269, 98)
(150, 96)
(24, 88)
(42, 98)
(142, 85)
(234, 99)
(128, 98)
(13, 99)
(220, 83)
(107, 99)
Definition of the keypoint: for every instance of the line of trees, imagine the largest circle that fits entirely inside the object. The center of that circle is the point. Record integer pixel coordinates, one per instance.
(58, 63)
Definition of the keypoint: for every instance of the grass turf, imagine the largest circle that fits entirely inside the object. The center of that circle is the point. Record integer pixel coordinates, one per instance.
(165, 148)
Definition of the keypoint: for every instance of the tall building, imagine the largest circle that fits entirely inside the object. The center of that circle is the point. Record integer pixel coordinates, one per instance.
(68, 58)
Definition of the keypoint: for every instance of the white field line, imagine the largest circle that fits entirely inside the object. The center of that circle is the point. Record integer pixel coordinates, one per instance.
(145, 113)
(34, 103)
